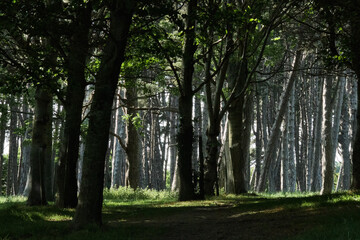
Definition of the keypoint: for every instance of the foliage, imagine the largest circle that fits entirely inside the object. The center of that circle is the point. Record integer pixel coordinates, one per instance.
(124, 194)
(135, 120)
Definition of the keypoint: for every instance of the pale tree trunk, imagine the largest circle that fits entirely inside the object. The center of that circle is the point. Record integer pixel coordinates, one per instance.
(310, 145)
(25, 151)
(40, 147)
(355, 52)
(80, 162)
(109, 153)
(316, 167)
(285, 158)
(175, 184)
(338, 103)
(172, 144)
(301, 132)
(57, 124)
(229, 185)
(291, 141)
(275, 131)
(118, 153)
(11, 188)
(197, 135)
(221, 162)
(146, 153)
(344, 140)
(215, 115)
(259, 145)
(353, 88)
(328, 153)
(89, 208)
(3, 124)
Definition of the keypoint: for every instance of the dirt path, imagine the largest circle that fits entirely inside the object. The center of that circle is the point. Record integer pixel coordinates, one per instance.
(229, 222)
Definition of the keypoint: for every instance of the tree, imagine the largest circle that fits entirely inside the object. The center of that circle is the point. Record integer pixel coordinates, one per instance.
(88, 210)
(77, 56)
(40, 147)
(345, 14)
(185, 134)
(275, 131)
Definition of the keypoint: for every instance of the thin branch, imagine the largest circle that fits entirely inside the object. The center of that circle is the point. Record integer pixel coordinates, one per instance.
(123, 145)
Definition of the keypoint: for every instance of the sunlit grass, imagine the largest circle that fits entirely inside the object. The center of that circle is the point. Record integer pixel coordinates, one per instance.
(124, 206)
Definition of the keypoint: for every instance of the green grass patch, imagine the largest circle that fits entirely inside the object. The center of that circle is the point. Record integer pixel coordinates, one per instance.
(141, 214)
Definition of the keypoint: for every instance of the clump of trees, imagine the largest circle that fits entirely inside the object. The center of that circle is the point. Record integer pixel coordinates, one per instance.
(192, 95)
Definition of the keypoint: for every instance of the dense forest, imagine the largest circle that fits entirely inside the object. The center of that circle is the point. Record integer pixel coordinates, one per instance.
(194, 96)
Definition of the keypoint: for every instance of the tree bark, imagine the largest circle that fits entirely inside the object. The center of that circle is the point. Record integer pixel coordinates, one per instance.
(185, 134)
(40, 146)
(328, 157)
(88, 210)
(11, 187)
(3, 124)
(275, 131)
(355, 52)
(76, 64)
(316, 168)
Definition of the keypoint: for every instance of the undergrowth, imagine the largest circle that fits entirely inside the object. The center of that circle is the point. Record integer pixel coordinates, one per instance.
(130, 195)
(340, 215)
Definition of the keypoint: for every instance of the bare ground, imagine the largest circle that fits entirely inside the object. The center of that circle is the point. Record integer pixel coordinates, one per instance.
(228, 221)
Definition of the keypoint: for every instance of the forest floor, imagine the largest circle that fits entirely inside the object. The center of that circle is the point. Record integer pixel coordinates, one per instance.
(253, 217)
(334, 216)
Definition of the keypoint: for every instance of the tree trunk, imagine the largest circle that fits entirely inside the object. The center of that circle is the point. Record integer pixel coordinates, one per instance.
(285, 159)
(172, 145)
(88, 210)
(118, 157)
(275, 131)
(185, 134)
(258, 142)
(328, 153)
(49, 164)
(73, 107)
(355, 52)
(11, 188)
(291, 140)
(3, 123)
(40, 147)
(316, 168)
(344, 140)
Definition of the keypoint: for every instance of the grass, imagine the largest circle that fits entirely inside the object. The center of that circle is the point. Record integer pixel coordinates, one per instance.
(147, 214)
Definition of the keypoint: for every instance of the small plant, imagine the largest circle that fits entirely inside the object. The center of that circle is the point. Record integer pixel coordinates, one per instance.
(128, 194)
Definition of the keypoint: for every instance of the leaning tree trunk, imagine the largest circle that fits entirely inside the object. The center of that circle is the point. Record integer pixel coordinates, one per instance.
(89, 208)
(275, 131)
(40, 147)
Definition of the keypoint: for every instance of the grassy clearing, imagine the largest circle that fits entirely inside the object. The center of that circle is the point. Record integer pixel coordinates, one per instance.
(142, 214)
